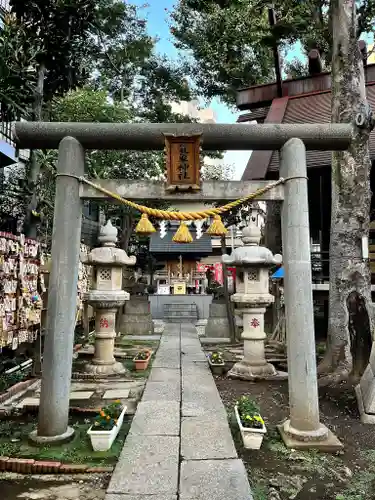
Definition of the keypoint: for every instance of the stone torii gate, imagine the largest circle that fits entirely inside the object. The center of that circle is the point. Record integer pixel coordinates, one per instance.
(303, 429)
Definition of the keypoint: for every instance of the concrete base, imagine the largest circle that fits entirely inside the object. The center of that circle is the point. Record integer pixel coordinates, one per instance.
(136, 325)
(213, 340)
(366, 418)
(245, 371)
(329, 443)
(158, 326)
(116, 368)
(217, 324)
(60, 439)
(200, 327)
(136, 318)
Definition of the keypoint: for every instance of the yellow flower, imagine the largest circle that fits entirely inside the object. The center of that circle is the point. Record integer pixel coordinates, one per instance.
(117, 401)
(96, 423)
(108, 417)
(115, 420)
(258, 418)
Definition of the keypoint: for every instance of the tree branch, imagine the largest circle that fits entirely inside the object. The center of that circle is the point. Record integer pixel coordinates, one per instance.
(100, 35)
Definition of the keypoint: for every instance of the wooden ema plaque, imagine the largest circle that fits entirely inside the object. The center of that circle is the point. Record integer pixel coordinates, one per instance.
(183, 162)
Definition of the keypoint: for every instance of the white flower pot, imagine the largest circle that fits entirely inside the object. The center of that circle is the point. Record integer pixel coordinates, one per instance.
(252, 438)
(103, 440)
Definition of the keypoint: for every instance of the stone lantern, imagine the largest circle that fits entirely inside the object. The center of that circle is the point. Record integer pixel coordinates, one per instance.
(106, 298)
(252, 297)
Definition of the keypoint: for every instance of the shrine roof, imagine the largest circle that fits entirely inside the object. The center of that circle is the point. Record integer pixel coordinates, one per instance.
(305, 108)
(165, 245)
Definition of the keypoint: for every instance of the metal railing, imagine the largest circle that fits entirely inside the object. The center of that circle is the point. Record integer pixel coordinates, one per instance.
(320, 267)
(6, 132)
(4, 6)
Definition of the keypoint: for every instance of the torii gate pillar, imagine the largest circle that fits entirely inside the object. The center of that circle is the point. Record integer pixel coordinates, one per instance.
(303, 429)
(62, 297)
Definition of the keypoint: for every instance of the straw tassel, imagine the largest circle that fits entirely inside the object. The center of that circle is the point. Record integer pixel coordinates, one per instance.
(183, 234)
(144, 226)
(217, 227)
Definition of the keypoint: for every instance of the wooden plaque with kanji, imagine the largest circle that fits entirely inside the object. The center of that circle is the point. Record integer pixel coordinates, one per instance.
(183, 162)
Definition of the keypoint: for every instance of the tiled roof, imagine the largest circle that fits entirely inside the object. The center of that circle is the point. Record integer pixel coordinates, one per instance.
(313, 108)
(317, 109)
(202, 246)
(258, 114)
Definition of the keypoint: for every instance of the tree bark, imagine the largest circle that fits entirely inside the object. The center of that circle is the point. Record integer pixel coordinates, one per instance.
(30, 225)
(228, 303)
(272, 228)
(350, 279)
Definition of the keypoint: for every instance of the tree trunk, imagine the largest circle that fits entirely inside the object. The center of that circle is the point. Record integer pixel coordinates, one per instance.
(350, 308)
(127, 222)
(272, 228)
(228, 303)
(30, 224)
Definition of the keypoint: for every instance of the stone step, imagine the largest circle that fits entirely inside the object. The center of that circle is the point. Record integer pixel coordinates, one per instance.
(181, 319)
(192, 308)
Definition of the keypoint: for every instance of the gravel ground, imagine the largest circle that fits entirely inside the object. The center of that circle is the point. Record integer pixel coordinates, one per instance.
(77, 487)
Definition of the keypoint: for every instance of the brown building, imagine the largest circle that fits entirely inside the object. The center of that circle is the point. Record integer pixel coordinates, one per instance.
(301, 100)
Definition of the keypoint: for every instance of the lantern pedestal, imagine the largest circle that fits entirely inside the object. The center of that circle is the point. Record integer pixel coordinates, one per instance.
(252, 298)
(254, 364)
(106, 298)
(104, 362)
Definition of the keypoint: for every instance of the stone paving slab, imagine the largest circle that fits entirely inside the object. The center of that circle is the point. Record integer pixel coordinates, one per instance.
(157, 418)
(192, 356)
(140, 497)
(196, 409)
(214, 480)
(164, 374)
(80, 395)
(205, 438)
(169, 354)
(212, 340)
(167, 359)
(116, 394)
(28, 402)
(159, 391)
(166, 363)
(195, 367)
(147, 466)
(195, 388)
(155, 336)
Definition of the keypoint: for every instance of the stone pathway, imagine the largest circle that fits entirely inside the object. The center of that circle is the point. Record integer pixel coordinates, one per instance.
(179, 446)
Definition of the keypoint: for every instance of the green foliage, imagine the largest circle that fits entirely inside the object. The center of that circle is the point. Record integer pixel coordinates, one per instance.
(14, 442)
(7, 380)
(61, 30)
(17, 71)
(101, 54)
(230, 42)
(225, 45)
(216, 358)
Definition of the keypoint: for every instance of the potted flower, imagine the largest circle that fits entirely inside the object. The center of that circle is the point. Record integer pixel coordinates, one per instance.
(142, 360)
(106, 426)
(250, 423)
(216, 362)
